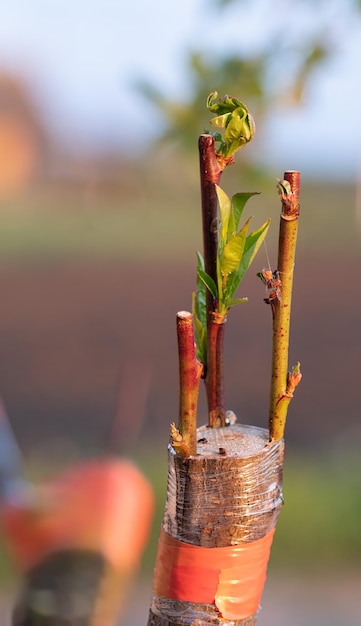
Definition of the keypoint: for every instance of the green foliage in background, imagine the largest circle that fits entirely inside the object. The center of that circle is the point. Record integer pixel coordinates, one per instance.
(319, 525)
(291, 41)
(57, 226)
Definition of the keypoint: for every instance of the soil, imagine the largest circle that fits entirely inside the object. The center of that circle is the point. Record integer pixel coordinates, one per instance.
(88, 350)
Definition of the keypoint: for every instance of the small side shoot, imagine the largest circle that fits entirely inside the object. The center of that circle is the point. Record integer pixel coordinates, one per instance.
(190, 371)
(279, 284)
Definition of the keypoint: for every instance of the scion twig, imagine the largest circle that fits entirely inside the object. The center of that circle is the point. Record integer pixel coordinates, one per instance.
(190, 371)
(223, 246)
(283, 382)
(210, 173)
(215, 378)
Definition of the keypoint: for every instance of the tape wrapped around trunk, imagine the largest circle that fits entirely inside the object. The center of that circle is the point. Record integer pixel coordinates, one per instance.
(220, 515)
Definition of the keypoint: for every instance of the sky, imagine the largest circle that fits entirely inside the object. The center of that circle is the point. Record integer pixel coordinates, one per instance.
(83, 57)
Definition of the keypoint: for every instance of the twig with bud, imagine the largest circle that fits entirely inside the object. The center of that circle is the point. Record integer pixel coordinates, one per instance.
(283, 382)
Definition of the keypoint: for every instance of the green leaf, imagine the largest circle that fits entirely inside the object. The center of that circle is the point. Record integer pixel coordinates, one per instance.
(283, 187)
(200, 261)
(225, 212)
(227, 104)
(252, 245)
(221, 121)
(217, 136)
(199, 311)
(200, 328)
(209, 283)
(233, 302)
(201, 308)
(232, 254)
(239, 130)
(238, 203)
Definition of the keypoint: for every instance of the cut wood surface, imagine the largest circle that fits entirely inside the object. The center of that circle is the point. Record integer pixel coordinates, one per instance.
(230, 492)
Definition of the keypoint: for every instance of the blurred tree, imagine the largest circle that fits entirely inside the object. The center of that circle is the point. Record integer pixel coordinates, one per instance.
(24, 143)
(280, 46)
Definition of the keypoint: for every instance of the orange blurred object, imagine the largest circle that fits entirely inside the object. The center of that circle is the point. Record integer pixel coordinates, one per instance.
(104, 505)
(18, 154)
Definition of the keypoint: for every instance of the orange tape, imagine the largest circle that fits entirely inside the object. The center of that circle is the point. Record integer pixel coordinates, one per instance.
(232, 578)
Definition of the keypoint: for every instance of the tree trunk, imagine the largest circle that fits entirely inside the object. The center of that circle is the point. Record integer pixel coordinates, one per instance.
(220, 514)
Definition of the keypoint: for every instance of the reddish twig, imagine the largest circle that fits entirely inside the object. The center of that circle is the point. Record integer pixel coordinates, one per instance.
(210, 173)
(190, 372)
(215, 376)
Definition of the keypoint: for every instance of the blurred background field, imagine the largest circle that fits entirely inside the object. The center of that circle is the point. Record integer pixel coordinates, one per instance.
(100, 222)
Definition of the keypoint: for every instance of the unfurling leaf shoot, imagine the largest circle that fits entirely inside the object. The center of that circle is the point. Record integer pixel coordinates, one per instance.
(234, 118)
